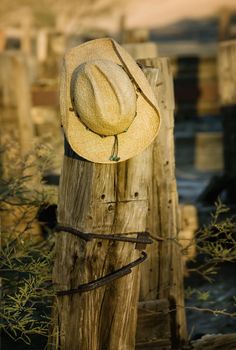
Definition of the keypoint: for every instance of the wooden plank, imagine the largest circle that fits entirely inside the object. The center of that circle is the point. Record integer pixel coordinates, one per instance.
(153, 328)
(134, 36)
(157, 345)
(215, 342)
(208, 151)
(45, 96)
(142, 50)
(227, 72)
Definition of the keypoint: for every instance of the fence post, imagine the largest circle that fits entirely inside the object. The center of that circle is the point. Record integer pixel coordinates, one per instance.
(227, 91)
(42, 46)
(162, 274)
(16, 99)
(224, 23)
(102, 199)
(17, 137)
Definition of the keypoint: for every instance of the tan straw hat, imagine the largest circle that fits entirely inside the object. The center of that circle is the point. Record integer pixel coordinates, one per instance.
(109, 112)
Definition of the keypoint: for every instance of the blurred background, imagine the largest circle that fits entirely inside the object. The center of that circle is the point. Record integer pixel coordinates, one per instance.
(200, 40)
(189, 34)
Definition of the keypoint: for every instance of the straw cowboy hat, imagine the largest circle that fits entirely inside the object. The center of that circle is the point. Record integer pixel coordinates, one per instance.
(109, 112)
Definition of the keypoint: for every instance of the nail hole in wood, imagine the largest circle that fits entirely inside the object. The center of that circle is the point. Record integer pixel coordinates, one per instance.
(99, 244)
(110, 207)
(136, 194)
(103, 196)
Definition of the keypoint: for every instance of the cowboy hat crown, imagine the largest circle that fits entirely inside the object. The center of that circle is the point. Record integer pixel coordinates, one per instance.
(104, 97)
(108, 109)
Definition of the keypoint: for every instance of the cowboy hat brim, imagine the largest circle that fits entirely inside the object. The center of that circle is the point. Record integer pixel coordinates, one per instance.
(144, 127)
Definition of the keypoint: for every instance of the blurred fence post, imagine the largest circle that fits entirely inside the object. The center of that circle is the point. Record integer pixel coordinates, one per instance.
(227, 90)
(42, 46)
(15, 101)
(17, 140)
(225, 15)
(142, 50)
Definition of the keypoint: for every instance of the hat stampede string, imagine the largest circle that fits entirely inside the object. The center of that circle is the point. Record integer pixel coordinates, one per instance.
(114, 153)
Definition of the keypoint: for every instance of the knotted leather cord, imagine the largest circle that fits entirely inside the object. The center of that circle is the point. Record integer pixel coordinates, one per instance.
(101, 281)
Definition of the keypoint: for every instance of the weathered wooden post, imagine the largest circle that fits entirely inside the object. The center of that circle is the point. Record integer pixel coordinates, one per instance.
(224, 23)
(2, 40)
(26, 45)
(142, 50)
(17, 136)
(15, 99)
(109, 201)
(162, 274)
(161, 318)
(227, 90)
(42, 45)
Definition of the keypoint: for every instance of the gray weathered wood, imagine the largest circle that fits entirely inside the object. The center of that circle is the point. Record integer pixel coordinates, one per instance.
(216, 342)
(149, 335)
(102, 199)
(162, 275)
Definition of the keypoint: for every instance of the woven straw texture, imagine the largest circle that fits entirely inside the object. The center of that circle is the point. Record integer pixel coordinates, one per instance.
(142, 129)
